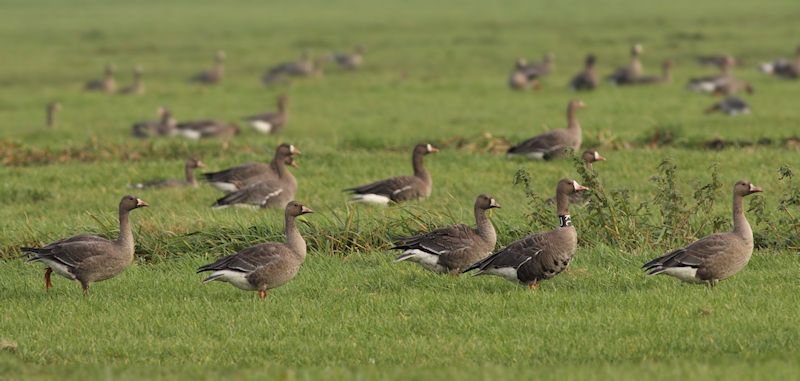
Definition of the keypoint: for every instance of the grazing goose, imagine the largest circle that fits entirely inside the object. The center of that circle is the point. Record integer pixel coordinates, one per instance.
(539, 146)
(264, 266)
(206, 128)
(164, 126)
(271, 122)
(519, 78)
(87, 258)
(665, 77)
(107, 84)
(714, 257)
(213, 76)
(137, 87)
(730, 106)
(587, 79)
(188, 169)
(401, 188)
(628, 74)
(783, 68)
(233, 179)
(52, 109)
(589, 157)
(349, 61)
(539, 256)
(452, 248)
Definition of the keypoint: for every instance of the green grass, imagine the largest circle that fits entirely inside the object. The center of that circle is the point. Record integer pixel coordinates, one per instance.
(434, 72)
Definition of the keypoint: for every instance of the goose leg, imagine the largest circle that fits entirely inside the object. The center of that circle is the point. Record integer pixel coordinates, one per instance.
(534, 285)
(262, 294)
(47, 283)
(85, 287)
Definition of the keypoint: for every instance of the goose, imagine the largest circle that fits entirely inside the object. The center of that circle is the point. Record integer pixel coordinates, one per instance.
(731, 106)
(714, 257)
(453, 248)
(589, 157)
(137, 87)
(165, 125)
(188, 169)
(271, 122)
(519, 78)
(233, 179)
(665, 77)
(206, 128)
(782, 67)
(628, 74)
(711, 83)
(538, 256)
(586, 79)
(107, 84)
(88, 258)
(539, 146)
(349, 61)
(401, 188)
(304, 67)
(719, 60)
(267, 265)
(543, 68)
(213, 76)
(52, 109)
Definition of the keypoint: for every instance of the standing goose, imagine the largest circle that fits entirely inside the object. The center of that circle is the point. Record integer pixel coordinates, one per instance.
(137, 87)
(665, 77)
(783, 68)
(52, 109)
(107, 84)
(188, 170)
(730, 106)
(715, 257)
(164, 126)
(213, 76)
(271, 122)
(539, 256)
(233, 179)
(628, 74)
(452, 248)
(538, 147)
(587, 79)
(264, 266)
(401, 188)
(87, 258)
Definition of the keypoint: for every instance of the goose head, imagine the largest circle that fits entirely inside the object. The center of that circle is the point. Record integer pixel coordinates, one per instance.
(424, 149)
(294, 209)
(591, 156)
(745, 188)
(486, 202)
(568, 186)
(129, 203)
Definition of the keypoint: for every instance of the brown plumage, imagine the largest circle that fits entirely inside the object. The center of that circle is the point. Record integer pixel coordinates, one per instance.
(628, 74)
(589, 157)
(453, 248)
(215, 75)
(401, 188)
(715, 257)
(107, 84)
(539, 256)
(235, 178)
(87, 258)
(586, 79)
(538, 147)
(783, 68)
(303, 67)
(188, 170)
(164, 126)
(349, 61)
(264, 266)
(137, 87)
(206, 128)
(271, 122)
(665, 77)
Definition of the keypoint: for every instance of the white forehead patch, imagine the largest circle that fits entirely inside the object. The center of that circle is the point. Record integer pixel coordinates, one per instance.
(430, 148)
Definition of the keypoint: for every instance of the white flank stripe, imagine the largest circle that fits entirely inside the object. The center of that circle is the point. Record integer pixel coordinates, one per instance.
(58, 267)
(426, 260)
(236, 278)
(686, 274)
(261, 126)
(225, 187)
(371, 198)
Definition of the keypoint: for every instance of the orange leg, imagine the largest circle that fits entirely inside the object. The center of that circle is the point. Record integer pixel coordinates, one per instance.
(85, 287)
(47, 283)
(533, 286)
(262, 294)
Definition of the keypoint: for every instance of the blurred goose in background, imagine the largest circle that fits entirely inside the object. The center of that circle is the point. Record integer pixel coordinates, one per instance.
(722, 84)
(542, 68)
(401, 188)
(628, 74)
(715, 257)
(519, 78)
(164, 126)
(665, 77)
(188, 169)
(730, 106)
(271, 122)
(539, 256)
(349, 61)
(215, 75)
(586, 79)
(88, 258)
(718, 60)
(137, 87)
(52, 109)
(267, 265)
(206, 128)
(303, 67)
(236, 178)
(538, 147)
(782, 67)
(453, 248)
(107, 84)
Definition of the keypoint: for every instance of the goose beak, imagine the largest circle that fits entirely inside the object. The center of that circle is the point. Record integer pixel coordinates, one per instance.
(755, 189)
(598, 157)
(294, 151)
(200, 164)
(140, 203)
(305, 210)
(432, 149)
(579, 187)
(493, 204)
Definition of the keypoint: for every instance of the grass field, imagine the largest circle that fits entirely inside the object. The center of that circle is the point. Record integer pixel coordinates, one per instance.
(434, 72)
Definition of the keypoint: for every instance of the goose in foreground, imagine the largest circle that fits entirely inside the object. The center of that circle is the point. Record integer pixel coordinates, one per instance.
(730, 106)
(715, 257)
(52, 109)
(233, 179)
(540, 146)
(88, 258)
(206, 128)
(401, 188)
(665, 77)
(349, 61)
(264, 266)
(586, 79)
(188, 169)
(782, 67)
(213, 76)
(137, 87)
(628, 74)
(107, 84)
(271, 122)
(539, 256)
(164, 126)
(453, 248)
